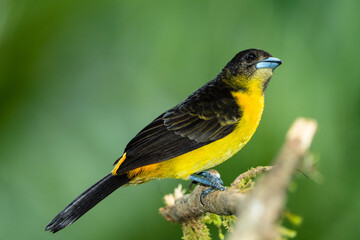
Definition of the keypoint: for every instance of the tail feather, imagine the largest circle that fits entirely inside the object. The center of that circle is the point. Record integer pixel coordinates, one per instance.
(86, 201)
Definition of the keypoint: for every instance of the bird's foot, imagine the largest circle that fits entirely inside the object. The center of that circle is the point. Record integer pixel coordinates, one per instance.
(212, 180)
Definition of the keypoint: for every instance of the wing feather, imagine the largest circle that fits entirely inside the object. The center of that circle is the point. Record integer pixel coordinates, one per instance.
(207, 115)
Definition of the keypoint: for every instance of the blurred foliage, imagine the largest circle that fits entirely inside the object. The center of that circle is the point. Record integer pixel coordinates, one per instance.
(78, 79)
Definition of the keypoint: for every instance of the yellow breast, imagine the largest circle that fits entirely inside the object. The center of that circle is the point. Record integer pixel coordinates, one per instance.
(212, 154)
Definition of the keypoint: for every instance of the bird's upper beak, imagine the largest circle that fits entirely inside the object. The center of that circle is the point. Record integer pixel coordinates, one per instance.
(270, 62)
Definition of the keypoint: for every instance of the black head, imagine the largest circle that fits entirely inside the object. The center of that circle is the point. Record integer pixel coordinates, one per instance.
(244, 63)
(249, 66)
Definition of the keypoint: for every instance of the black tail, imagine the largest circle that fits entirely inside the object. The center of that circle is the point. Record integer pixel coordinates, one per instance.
(86, 201)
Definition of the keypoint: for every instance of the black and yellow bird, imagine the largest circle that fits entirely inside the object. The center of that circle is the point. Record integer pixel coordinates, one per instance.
(204, 130)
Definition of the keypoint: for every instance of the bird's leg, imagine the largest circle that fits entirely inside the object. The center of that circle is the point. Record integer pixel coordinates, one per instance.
(208, 179)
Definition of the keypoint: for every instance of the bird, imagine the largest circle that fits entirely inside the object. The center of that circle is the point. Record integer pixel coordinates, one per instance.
(202, 131)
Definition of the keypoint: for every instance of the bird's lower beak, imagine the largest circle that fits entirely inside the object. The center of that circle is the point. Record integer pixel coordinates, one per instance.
(270, 62)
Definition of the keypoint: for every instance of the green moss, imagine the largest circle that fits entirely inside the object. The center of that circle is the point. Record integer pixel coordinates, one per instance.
(198, 228)
(287, 233)
(195, 229)
(227, 222)
(293, 220)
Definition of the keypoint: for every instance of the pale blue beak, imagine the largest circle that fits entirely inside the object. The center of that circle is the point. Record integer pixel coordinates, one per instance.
(270, 62)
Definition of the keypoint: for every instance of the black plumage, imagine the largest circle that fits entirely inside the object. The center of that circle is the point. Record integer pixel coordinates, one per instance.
(210, 113)
(87, 200)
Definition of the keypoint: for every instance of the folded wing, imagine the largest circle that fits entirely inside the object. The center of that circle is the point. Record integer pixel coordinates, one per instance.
(207, 115)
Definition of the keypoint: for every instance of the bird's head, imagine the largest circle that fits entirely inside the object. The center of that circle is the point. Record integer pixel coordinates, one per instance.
(250, 70)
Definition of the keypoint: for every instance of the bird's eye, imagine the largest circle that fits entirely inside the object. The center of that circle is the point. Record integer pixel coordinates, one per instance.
(250, 57)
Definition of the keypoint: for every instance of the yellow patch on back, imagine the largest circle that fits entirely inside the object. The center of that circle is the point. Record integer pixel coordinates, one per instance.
(121, 160)
(251, 104)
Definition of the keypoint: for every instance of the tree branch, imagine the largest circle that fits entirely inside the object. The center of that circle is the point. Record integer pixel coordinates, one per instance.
(259, 210)
(189, 206)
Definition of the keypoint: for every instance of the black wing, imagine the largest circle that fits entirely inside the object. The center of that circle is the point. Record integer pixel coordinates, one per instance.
(207, 115)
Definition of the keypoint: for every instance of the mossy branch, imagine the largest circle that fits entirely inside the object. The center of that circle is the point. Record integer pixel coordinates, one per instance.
(181, 208)
(259, 210)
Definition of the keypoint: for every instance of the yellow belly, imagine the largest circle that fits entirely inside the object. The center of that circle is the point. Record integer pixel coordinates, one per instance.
(212, 154)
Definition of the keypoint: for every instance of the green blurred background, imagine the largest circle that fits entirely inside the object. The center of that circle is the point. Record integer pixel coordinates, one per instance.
(78, 79)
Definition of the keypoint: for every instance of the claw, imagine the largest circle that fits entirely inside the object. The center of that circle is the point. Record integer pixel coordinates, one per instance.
(207, 179)
(204, 194)
(191, 184)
